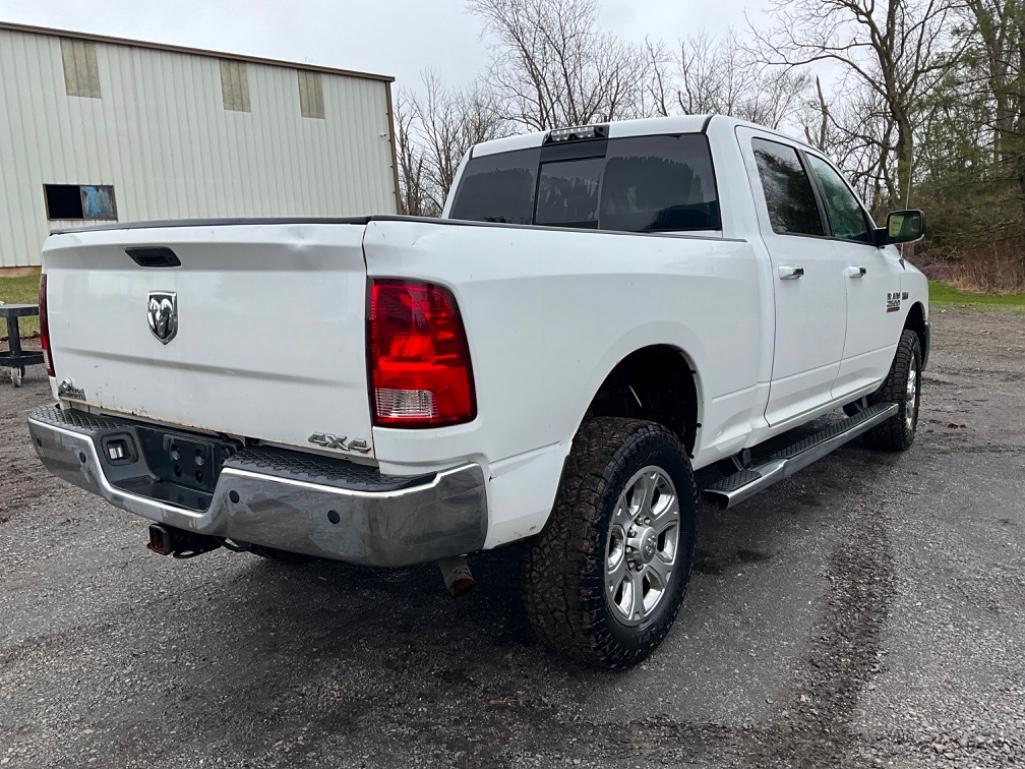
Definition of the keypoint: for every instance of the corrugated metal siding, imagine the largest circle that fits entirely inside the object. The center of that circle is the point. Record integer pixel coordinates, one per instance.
(161, 136)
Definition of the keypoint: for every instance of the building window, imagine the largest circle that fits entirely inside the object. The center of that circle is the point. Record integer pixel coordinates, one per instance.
(80, 201)
(81, 72)
(311, 94)
(235, 85)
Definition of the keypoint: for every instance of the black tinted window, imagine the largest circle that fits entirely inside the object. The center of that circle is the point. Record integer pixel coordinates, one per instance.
(635, 184)
(659, 183)
(846, 217)
(788, 191)
(498, 188)
(567, 193)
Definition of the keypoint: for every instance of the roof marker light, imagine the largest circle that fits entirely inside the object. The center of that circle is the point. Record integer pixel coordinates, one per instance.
(578, 132)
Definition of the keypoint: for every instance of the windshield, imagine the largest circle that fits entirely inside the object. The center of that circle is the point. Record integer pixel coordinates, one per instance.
(659, 183)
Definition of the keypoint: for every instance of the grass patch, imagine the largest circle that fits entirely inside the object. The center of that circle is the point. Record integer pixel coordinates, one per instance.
(941, 293)
(20, 291)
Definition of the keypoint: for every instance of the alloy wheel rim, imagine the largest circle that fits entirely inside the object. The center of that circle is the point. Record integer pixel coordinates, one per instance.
(911, 397)
(642, 545)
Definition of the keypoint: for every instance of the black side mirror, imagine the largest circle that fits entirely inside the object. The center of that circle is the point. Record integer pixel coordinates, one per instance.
(902, 227)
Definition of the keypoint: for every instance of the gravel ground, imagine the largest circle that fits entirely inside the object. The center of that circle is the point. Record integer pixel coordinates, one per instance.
(868, 612)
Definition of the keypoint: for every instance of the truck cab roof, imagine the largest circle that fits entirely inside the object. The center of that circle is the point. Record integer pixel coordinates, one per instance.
(622, 128)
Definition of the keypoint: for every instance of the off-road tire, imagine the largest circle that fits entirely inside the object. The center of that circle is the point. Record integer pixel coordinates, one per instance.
(898, 432)
(564, 576)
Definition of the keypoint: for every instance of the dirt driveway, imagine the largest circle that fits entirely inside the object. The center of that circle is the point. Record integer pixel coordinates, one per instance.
(868, 612)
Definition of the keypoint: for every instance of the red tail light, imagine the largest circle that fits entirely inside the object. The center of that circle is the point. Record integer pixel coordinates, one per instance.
(418, 361)
(44, 326)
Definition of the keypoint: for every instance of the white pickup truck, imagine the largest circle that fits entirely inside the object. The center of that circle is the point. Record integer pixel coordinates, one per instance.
(601, 311)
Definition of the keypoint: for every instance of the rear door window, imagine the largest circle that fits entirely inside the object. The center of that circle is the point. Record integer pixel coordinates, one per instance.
(789, 196)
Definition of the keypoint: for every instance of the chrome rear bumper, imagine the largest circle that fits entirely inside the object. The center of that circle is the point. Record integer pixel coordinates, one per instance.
(288, 500)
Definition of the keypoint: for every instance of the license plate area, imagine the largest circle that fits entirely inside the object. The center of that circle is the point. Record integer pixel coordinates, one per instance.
(165, 465)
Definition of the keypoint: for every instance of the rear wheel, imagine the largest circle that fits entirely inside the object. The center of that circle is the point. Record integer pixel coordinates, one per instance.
(605, 579)
(903, 386)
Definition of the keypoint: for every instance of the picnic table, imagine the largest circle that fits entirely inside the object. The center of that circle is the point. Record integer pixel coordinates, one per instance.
(15, 358)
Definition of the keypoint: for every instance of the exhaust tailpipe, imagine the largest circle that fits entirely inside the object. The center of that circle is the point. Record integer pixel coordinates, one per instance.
(457, 575)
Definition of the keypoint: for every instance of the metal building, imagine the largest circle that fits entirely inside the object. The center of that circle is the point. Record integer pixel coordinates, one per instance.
(96, 129)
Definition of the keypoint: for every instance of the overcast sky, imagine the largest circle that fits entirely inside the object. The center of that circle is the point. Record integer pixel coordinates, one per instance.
(392, 37)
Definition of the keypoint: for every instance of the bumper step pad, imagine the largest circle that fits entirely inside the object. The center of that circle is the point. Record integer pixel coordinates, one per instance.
(265, 460)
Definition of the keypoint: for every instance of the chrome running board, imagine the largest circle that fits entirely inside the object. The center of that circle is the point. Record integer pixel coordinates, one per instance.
(744, 484)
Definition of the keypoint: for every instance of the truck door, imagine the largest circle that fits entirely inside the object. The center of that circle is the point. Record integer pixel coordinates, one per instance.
(873, 284)
(808, 276)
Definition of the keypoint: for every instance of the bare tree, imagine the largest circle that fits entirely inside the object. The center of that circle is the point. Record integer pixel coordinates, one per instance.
(998, 26)
(555, 67)
(995, 80)
(819, 135)
(410, 158)
(449, 124)
(857, 133)
(719, 76)
(434, 130)
(658, 91)
(897, 51)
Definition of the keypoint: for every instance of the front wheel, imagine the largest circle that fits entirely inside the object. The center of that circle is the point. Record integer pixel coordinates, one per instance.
(903, 386)
(605, 579)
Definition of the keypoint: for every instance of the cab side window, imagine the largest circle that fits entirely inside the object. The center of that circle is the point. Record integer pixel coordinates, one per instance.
(846, 216)
(788, 191)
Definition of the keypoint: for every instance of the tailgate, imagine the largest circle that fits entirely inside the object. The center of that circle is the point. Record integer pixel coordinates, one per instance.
(270, 332)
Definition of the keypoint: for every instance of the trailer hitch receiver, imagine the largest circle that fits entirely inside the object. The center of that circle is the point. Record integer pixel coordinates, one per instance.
(167, 540)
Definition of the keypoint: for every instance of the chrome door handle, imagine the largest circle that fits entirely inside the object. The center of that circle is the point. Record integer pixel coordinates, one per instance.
(789, 272)
(856, 272)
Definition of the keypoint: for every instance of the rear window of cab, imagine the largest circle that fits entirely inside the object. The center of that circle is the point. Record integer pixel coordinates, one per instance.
(661, 183)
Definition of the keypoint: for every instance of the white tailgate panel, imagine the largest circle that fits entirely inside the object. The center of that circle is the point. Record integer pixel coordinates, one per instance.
(270, 340)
